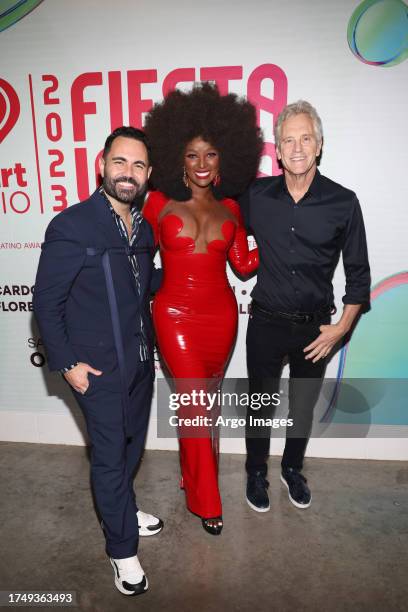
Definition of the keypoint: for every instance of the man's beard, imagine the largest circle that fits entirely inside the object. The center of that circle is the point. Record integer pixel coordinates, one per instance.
(126, 196)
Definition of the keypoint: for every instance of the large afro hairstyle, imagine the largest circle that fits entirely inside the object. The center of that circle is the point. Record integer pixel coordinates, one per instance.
(228, 123)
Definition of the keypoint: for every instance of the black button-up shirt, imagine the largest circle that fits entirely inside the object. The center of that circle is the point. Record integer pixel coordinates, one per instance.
(300, 244)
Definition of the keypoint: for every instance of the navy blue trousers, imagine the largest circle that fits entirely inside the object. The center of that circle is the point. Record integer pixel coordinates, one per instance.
(115, 454)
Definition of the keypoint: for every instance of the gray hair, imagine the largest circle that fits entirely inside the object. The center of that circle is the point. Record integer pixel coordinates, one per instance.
(298, 108)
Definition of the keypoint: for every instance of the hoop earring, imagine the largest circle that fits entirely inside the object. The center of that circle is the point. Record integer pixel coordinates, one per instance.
(185, 178)
(216, 180)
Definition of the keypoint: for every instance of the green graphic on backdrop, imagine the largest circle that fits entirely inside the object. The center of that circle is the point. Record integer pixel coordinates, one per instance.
(12, 11)
(378, 32)
(374, 364)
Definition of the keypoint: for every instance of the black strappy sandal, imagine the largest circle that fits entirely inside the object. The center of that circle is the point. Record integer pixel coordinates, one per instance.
(213, 529)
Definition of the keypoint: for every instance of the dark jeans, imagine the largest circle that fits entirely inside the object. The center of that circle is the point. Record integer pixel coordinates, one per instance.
(269, 341)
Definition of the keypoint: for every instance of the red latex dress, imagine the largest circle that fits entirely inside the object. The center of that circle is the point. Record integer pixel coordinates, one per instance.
(195, 318)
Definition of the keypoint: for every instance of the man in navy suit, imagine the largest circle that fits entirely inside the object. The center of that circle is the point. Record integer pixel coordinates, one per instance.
(91, 301)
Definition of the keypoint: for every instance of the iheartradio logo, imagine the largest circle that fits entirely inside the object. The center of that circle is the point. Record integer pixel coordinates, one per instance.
(9, 109)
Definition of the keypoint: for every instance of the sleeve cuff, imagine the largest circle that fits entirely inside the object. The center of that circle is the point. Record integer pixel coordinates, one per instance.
(68, 368)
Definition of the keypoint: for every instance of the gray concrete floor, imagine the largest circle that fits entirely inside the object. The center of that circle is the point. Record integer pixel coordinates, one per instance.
(348, 551)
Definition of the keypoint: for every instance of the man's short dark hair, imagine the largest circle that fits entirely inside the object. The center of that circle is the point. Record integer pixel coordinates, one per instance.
(127, 131)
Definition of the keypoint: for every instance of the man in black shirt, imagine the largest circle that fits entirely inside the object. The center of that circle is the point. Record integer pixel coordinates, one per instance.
(301, 221)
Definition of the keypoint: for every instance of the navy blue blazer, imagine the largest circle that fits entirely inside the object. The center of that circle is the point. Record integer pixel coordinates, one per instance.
(83, 268)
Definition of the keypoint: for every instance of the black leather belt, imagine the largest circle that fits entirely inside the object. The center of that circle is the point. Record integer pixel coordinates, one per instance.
(299, 317)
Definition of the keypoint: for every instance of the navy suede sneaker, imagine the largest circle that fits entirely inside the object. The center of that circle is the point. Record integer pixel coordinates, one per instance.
(299, 492)
(256, 492)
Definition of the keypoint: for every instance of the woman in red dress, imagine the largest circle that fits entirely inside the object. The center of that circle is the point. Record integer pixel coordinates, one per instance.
(204, 147)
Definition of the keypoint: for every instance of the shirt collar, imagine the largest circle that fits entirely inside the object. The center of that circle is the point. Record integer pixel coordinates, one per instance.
(135, 213)
(314, 188)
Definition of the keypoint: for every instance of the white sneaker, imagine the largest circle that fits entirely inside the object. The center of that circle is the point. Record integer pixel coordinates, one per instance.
(129, 576)
(148, 524)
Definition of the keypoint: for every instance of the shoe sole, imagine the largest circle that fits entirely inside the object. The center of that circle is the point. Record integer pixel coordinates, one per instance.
(145, 532)
(256, 508)
(123, 590)
(294, 502)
